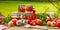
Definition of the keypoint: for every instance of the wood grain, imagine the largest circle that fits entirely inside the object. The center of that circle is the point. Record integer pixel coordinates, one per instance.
(23, 28)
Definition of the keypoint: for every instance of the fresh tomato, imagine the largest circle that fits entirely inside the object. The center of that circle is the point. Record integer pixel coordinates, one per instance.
(57, 23)
(50, 19)
(39, 22)
(33, 23)
(14, 21)
(28, 21)
(57, 20)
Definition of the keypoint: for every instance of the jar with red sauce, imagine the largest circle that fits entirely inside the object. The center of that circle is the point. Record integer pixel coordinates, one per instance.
(21, 8)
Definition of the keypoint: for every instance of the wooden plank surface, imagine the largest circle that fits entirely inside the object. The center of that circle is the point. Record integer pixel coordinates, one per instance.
(23, 28)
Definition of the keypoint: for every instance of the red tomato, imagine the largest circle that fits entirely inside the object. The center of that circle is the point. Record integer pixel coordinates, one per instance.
(57, 20)
(39, 22)
(28, 21)
(50, 19)
(33, 23)
(57, 23)
(14, 21)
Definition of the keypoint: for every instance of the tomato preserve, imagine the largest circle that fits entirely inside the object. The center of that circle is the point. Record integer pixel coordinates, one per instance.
(30, 16)
(21, 8)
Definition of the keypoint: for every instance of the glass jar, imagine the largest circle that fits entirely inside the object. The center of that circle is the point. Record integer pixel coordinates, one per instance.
(15, 15)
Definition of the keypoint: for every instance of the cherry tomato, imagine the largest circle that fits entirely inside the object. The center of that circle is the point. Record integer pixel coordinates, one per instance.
(33, 23)
(39, 22)
(50, 19)
(57, 23)
(28, 21)
(14, 21)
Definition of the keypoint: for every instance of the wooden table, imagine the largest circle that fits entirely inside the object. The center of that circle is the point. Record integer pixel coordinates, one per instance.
(23, 28)
(53, 28)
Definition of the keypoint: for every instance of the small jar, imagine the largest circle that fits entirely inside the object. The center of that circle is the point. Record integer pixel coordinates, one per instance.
(21, 8)
(15, 15)
(30, 16)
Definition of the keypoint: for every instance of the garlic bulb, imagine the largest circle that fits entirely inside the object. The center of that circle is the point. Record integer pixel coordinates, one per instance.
(19, 22)
(24, 21)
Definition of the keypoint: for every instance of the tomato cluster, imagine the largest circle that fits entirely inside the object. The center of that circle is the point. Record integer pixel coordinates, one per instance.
(57, 22)
(35, 22)
(14, 21)
(53, 22)
(50, 19)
